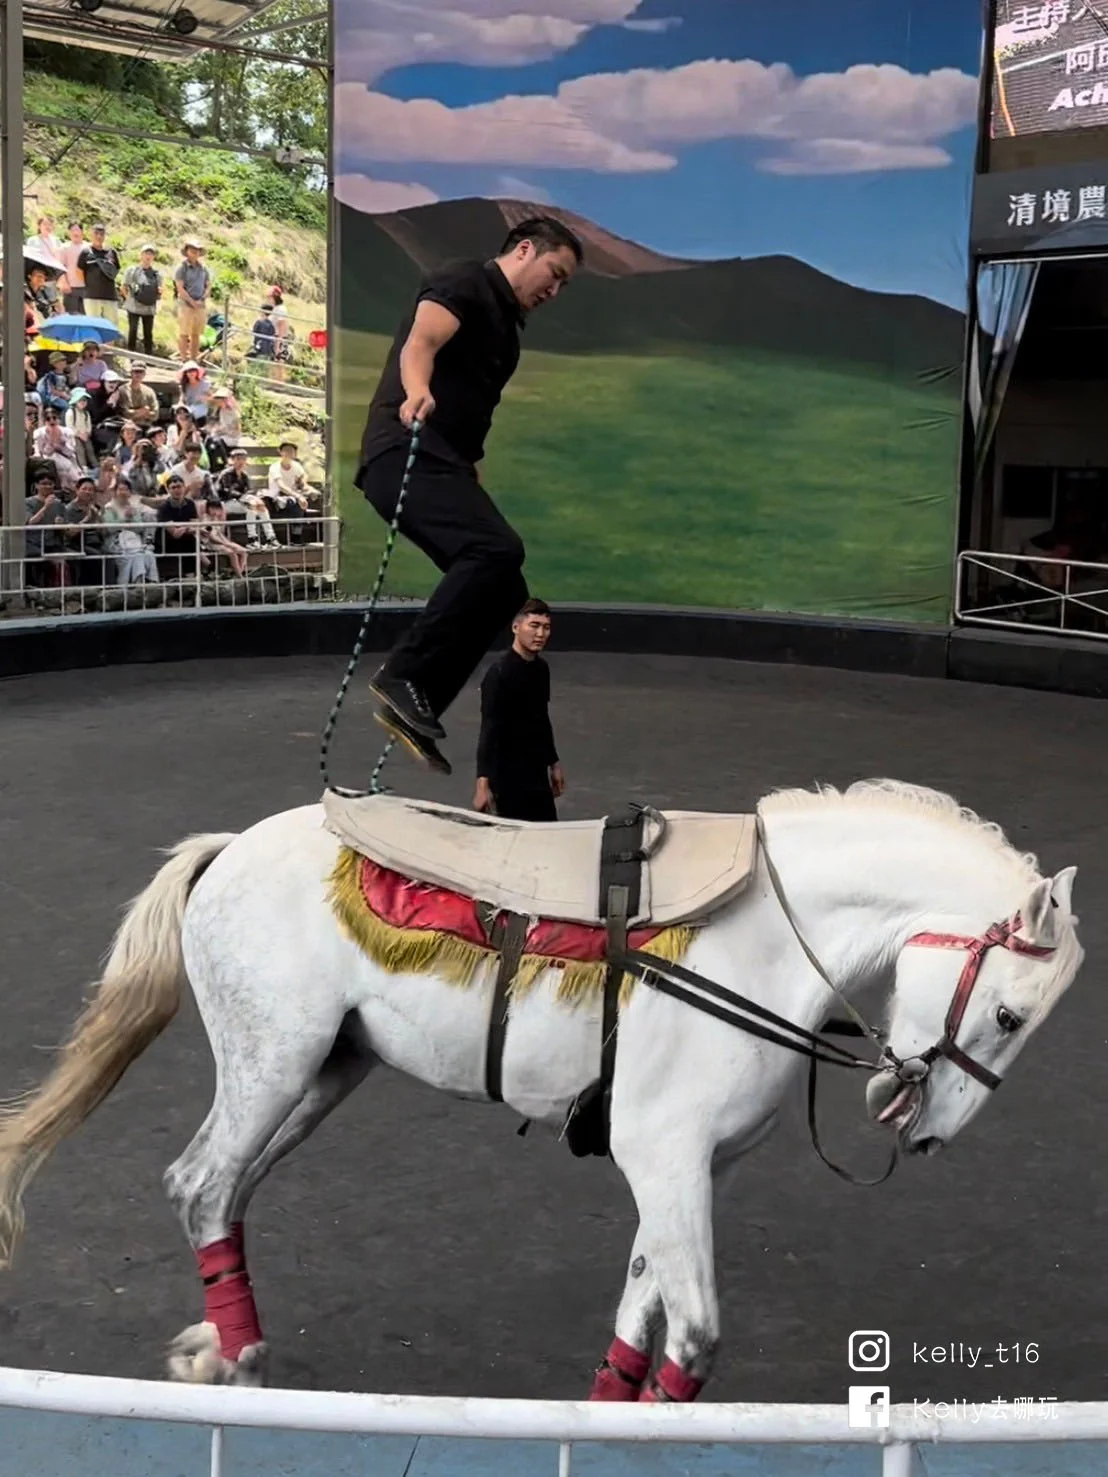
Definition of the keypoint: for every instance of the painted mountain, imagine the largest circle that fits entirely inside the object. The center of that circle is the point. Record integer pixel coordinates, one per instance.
(632, 299)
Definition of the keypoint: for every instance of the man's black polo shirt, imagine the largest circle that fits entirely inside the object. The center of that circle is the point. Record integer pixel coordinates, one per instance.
(470, 371)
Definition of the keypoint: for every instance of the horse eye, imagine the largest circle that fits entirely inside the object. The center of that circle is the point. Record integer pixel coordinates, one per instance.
(1006, 1020)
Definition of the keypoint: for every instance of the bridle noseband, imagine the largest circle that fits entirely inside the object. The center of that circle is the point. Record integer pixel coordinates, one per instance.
(999, 935)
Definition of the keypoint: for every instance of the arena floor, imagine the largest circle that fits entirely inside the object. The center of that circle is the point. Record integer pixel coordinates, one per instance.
(418, 1245)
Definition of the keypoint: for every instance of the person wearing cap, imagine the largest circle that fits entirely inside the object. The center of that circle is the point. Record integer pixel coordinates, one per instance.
(224, 427)
(264, 345)
(137, 400)
(53, 387)
(78, 422)
(100, 263)
(142, 290)
(191, 282)
(233, 486)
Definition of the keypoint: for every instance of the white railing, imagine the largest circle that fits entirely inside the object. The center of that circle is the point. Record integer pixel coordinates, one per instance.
(562, 1423)
(81, 569)
(1032, 592)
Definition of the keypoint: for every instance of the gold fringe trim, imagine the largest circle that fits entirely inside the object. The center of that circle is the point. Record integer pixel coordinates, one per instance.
(427, 951)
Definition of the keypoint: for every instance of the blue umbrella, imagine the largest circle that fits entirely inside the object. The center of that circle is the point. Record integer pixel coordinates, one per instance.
(80, 328)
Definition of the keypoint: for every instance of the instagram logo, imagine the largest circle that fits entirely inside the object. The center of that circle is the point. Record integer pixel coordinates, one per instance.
(868, 1350)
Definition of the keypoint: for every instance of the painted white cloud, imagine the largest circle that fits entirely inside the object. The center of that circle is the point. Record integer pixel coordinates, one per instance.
(380, 35)
(653, 27)
(513, 132)
(510, 187)
(853, 156)
(718, 99)
(376, 196)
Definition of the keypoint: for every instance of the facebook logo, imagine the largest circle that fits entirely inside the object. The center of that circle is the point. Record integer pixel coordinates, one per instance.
(869, 1406)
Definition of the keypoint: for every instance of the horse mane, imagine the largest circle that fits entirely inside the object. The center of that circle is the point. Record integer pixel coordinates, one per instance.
(899, 795)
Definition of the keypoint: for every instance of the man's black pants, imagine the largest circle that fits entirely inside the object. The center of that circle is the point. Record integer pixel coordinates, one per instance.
(448, 516)
(523, 801)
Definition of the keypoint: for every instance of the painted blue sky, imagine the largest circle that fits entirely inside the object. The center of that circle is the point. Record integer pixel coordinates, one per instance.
(842, 134)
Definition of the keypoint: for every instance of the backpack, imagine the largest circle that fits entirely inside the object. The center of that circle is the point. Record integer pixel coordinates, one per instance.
(145, 289)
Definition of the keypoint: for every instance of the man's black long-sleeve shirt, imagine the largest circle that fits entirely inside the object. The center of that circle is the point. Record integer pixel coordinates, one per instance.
(516, 745)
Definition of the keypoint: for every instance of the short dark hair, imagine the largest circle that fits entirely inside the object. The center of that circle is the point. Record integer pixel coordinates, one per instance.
(534, 607)
(546, 234)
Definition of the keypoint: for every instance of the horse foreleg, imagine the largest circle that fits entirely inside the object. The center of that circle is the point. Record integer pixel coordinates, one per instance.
(627, 1363)
(672, 1187)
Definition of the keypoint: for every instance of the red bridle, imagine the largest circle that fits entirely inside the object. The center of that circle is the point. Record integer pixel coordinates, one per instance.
(999, 935)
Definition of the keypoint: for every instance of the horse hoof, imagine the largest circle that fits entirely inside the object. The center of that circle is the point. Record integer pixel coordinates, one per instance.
(194, 1358)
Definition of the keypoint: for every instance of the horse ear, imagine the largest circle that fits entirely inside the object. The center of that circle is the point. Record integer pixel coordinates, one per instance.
(1061, 890)
(1038, 913)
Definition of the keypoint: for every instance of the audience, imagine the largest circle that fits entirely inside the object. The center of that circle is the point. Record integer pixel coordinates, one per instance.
(123, 488)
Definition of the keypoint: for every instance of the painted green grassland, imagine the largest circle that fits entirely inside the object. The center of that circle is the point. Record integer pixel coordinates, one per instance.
(707, 477)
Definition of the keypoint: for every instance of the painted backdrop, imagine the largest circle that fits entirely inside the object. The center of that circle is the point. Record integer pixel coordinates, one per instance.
(751, 398)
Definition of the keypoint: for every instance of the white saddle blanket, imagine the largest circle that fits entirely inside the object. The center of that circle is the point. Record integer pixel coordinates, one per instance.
(548, 870)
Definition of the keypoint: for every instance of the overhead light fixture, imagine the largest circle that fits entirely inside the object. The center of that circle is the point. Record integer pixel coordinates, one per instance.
(181, 21)
(90, 7)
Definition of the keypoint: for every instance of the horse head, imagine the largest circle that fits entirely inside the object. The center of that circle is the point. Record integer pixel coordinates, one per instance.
(965, 1003)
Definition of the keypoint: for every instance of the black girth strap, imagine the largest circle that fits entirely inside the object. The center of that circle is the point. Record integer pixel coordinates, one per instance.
(620, 893)
(508, 936)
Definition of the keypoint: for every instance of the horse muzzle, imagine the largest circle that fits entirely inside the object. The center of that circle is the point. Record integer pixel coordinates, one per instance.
(894, 1099)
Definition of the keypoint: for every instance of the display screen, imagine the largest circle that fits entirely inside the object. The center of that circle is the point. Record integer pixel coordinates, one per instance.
(1050, 67)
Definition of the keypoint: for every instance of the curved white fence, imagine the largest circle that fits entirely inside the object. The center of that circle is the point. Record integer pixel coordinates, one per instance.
(560, 1422)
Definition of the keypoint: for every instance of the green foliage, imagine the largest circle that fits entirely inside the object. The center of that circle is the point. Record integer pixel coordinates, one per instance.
(123, 74)
(208, 184)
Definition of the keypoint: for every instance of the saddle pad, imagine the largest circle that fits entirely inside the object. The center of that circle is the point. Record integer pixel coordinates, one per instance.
(547, 869)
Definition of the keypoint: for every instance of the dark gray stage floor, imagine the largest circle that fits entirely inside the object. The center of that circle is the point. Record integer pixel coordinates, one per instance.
(418, 1245)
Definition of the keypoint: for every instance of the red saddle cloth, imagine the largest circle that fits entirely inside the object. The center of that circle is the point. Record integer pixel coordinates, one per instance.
(402, 902)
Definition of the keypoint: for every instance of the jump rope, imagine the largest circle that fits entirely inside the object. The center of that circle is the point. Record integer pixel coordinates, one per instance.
(375, 786)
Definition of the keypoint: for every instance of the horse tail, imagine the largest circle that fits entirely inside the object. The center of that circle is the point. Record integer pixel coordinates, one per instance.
(137, 997)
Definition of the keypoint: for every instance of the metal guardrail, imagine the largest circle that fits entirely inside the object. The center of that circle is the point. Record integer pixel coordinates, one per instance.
(81, 568)
(1032, 592)
(562, 1423)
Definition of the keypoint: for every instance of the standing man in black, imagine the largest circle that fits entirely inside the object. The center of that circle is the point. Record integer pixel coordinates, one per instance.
(447, 369)
(518, 769)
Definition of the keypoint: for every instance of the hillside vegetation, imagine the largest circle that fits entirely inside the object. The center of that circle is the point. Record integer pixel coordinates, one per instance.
(260, 224)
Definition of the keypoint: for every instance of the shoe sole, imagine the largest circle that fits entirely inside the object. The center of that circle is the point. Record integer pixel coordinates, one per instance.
(414, 743)
(382, 697)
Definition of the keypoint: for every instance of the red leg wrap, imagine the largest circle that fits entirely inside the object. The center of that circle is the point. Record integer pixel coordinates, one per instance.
(621, 1375)
(229, 1300)
(671, 1383)
(229, 1304)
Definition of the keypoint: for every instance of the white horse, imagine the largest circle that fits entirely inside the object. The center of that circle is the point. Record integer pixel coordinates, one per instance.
(297, 1015)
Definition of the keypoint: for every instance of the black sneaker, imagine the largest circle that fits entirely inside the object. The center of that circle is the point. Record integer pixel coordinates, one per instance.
(408, 703)
(424, 749)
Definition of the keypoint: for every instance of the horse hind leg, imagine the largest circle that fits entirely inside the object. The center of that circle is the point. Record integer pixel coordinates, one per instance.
(253, 1103)
(347, 1066)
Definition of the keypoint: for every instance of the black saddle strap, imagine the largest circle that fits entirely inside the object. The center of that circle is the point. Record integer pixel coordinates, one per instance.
(508, 937)
(621, 863)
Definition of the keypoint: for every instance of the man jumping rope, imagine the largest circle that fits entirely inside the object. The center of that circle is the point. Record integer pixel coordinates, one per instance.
(446, 370)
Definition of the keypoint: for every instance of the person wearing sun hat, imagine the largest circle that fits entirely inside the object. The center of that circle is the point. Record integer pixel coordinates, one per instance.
(192, 282)
(78, 422)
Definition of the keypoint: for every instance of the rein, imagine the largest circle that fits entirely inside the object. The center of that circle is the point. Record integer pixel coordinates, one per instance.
(375, 788)
(756, 1020)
